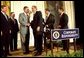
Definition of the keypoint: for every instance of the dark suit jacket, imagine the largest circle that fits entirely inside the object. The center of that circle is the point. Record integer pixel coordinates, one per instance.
(14, 26)
(63, 21)
(37, 21)
(50, 21)
(5, 26)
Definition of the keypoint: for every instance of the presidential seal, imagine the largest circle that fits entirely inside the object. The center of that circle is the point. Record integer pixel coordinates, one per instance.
(56, 34)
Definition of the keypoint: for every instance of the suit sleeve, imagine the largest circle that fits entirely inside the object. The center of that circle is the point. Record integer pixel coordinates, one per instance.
(52, 21)
(40, 18)
(21, 21)
(65, 21)
(17, 26)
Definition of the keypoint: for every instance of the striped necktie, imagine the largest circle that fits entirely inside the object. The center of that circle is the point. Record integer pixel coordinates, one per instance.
(28, 17)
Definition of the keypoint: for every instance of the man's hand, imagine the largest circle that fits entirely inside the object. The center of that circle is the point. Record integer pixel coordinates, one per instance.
(44, 29)
(46, 25)
(10, 31)
(38, 28)
(58, 26)
(1, 33)
(28, 24)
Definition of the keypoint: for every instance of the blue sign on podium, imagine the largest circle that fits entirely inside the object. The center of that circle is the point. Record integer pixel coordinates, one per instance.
(63, 34)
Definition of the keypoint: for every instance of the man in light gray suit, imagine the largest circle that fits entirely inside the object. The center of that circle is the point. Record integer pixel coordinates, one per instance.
(24, 29)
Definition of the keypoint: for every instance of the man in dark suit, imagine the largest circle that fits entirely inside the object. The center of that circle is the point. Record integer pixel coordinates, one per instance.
(14, 30)
(37, 27)
(63, 24)
(48, 25)
(5, 31)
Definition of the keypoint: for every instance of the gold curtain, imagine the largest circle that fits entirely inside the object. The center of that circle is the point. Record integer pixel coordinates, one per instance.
(46, 4)
(7, 3)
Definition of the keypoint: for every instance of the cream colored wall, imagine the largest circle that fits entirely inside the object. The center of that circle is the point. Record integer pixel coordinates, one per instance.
(17, 7)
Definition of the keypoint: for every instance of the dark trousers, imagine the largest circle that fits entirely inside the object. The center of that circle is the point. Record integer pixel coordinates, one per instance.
(65, 45)
(48, 36)
(34, 33)
(5, 40)
(27, 41)
(13, 43)
(1, 48)
(38, 41)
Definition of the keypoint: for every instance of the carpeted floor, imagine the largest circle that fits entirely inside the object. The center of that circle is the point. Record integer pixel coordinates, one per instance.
(56, 51)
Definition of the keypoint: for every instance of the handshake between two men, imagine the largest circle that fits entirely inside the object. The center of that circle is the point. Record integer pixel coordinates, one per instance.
(29, 24)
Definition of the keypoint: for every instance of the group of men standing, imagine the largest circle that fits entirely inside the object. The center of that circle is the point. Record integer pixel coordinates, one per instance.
(8, 31)
(38, 24)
